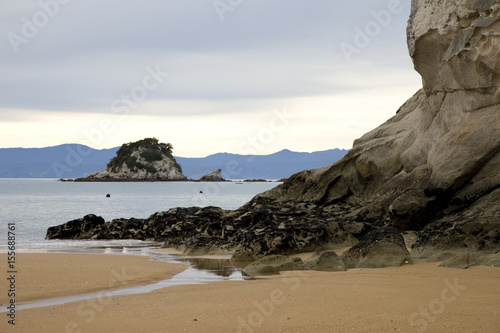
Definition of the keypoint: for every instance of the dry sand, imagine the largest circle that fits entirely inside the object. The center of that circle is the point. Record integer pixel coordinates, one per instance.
(412, 298)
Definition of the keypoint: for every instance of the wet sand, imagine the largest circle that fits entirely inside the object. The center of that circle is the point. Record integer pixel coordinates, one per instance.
(49, 275)
(412, 298)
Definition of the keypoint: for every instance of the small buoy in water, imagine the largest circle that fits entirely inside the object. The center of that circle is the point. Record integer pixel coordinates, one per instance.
(201, 191)
(108, 195)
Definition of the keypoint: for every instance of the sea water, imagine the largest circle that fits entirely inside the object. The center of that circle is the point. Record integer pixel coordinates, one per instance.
(37, 204)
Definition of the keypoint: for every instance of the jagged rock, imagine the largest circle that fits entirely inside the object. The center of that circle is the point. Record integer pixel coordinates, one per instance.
(215, 176)
(326, 260)
(83, 228)
(382, 247)
(274, 264)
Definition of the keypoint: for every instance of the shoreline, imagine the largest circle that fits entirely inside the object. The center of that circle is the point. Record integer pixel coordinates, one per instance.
(43, 276)
(401, 299)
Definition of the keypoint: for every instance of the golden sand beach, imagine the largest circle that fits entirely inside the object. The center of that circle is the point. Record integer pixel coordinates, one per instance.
(412, 298)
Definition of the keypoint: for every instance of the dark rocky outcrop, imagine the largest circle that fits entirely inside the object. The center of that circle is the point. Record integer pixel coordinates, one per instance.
(83, 228)
(382, 247)
(257, 229)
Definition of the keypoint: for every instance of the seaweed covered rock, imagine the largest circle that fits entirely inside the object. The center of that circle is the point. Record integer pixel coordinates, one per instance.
(256, 229)
(83, 228)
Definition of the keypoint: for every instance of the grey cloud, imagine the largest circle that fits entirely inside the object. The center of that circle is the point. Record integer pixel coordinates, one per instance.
(94, 51)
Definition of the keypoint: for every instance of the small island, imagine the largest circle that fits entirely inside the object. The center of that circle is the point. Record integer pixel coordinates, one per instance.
(144, 160)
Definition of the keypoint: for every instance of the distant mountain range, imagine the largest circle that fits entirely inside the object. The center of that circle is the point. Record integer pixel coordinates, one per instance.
(74, 161)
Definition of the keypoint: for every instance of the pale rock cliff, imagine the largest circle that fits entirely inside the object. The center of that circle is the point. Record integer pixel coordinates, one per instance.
(438, 159)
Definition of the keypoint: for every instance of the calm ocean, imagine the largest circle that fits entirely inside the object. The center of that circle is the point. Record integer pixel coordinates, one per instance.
(36, 204)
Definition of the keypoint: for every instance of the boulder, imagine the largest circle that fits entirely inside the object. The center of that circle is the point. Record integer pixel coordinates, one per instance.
(274, 264)
(83, 228)
(326, 260)
(382, 247)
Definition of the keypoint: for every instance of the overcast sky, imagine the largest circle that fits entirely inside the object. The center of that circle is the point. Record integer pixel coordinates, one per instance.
(240, 76)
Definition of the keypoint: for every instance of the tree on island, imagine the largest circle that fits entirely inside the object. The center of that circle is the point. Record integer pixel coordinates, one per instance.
(153, 150)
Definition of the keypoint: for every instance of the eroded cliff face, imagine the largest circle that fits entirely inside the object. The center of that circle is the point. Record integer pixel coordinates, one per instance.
(438, 158)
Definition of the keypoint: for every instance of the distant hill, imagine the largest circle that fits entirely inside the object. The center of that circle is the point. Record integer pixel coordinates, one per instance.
(275, 166)
(64, 161)
(75, 161)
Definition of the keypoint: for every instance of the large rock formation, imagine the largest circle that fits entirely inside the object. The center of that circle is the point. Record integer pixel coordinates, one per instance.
(146, 159)
(436, 163)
